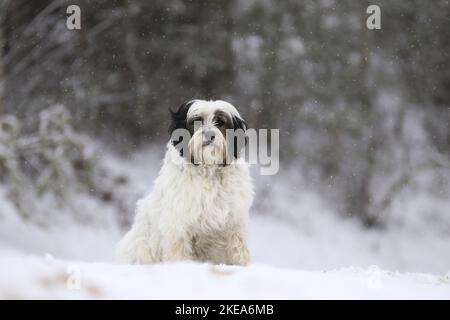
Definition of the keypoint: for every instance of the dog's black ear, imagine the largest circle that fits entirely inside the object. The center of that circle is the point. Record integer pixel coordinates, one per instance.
(239, 123)
(178, 117)
(178, 121)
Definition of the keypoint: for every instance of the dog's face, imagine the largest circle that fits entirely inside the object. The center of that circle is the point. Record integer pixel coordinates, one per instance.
(208, 126)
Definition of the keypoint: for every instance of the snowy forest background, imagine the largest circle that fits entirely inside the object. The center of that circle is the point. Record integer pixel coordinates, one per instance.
(363, 116)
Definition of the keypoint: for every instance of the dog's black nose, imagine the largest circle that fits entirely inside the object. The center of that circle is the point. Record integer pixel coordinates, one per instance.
(210, 135)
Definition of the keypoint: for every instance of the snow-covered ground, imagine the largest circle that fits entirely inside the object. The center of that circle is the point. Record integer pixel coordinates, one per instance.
(26, 276)
(300, 249)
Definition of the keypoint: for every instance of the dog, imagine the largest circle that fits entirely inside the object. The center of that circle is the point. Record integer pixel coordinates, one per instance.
(199, 207)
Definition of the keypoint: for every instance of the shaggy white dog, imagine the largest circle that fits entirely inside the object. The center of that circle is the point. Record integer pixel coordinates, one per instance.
(199, 206)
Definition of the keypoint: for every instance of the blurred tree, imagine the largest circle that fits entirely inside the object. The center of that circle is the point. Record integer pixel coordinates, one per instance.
(309, 68)
(3, 8)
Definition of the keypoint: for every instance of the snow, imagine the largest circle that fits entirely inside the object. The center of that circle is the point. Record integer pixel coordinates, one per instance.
(45, 277)
(328, 245)
(300, 249)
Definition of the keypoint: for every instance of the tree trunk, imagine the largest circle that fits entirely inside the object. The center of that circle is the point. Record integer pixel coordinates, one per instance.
(3, 6)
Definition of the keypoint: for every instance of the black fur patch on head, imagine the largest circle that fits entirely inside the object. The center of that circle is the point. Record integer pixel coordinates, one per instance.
(179, 116)
(238, 123)
(178, 121)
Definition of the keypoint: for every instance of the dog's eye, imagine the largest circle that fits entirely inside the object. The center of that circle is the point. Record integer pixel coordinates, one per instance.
(220, 123)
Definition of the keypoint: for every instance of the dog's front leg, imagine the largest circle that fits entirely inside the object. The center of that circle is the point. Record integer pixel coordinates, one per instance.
(236, 250)
(177, 250)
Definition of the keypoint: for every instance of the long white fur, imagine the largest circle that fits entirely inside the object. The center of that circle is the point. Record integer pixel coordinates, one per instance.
(194, 212)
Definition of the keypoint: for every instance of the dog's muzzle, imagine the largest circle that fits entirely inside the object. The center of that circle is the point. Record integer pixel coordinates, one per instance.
(208, 137)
